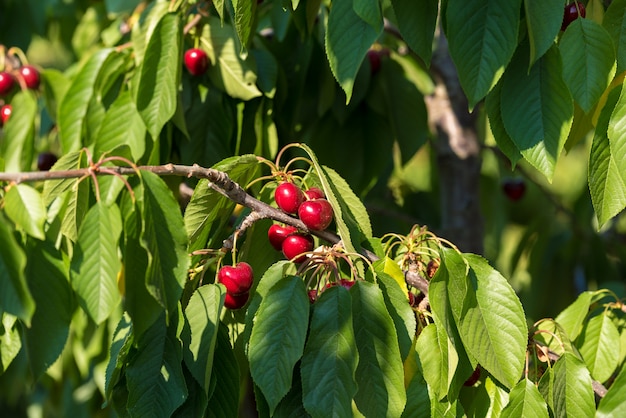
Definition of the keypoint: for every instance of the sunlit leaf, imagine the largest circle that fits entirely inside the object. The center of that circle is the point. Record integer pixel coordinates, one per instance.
(24, 206)
(16, 146)
(525, 401)
(598, 348)
(573, 394)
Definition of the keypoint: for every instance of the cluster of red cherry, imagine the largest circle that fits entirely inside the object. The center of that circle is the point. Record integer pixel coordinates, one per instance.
(26, 75)
(313, 210)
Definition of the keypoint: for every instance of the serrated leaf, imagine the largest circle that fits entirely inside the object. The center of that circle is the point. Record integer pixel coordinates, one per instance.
(15, 297)
(160, 75)
(154, 377)
(24, 206)
(208, 210)
(277, 338)
(493, 104)
(74, 105)
(482, 35)
(165, 240)
(597, 346)
(573, 317)
(291, 405)
(330, 357)
(617, 133)
(572, 392)
(613, 404)
(490, 320)
(224, 403)
(615, 23)
(588, 59)
(10, 340)
(54, 188)
(543, 19)
(19, 133)
(537, 109)
(122, 125)
(121, 342)
(76, 207)
(203, 318)
(607, 183)
(348, 38)
(369, 11)
(417, 25)
(438, 359)
(48, 280)
(243, 18)
(525, 401)
(95, 263)
(396, 299)
(380, 373)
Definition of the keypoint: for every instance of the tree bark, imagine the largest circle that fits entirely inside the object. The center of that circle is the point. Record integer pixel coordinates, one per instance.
(458, 154)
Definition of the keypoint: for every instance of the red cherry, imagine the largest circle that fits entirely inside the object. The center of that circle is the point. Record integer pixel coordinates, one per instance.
(6, 83)
(412, 299)
(196, 61)
(235, 301)
(295, 245)
(45, 161)
(514, 189)
(473, 378)
(238, 279)
(316, 214)
(312, 295)
(277, 234)
(570, 13)
(288, 197)
(5, 113)
(345, 283)
(31, 76)
(314, 193)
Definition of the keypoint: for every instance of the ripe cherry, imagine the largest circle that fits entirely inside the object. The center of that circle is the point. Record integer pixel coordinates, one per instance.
(238, 279)
(314, 193)
(316, 214)
(514, 189)
(31, 76)
(45, 161)
(570, 13)
(288, 197)
(312, 295)
(196, 61)
(277, 234)
(6, 83)
(295, 245)
(236, 301)
(5, 113)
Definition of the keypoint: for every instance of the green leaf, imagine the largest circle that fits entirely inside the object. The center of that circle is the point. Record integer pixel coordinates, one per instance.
(543, 20)
(537, 109)
(230, 73)
(607, 183)
(277, 338)
(348, 38)
(24, 206)
(573, 394)
(330, 357)
(200, 332)
(438, 359)
(493, 104)
(525, 401)
(482, 35)
(160, 75)
(55, 188)
(122, 125)
(10, 341)
(48, 280)
(379, 374)
(121, 342)
(369, 11)
(19, 133)
(598, 348)
(490, 320)
(396, 301)
(573, 317)
(77, 202)
(74, 105)
(291, 405)
(165, 240)
(154, 377)
(617, 133)
(15, 297)
(588, 59)
(615, 23)
(244, 20)
(224, 403)
(209, 211)
(417, 25)
(95, 263)
(613, 404)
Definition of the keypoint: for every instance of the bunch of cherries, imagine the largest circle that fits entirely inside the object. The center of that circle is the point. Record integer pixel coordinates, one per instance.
(313, 210)
(237, 280)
